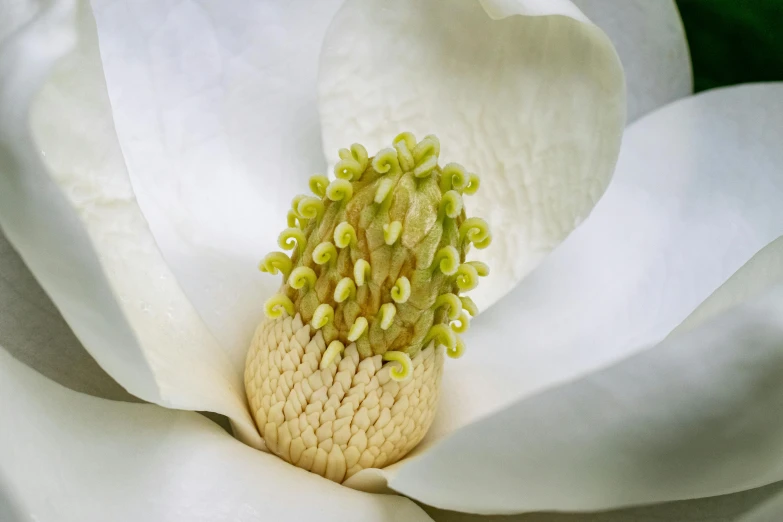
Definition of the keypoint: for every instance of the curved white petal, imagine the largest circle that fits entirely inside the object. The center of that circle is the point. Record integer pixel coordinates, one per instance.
(29, 323)
(68, 207)
(697, 415)
(696, 194)
(214, 106)
(755, 276)
(68, 457)
(769, 510)
(650, 39)
(740, 507)
(528, 94)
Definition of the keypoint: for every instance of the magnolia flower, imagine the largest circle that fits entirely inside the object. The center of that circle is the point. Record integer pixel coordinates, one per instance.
(629, 345)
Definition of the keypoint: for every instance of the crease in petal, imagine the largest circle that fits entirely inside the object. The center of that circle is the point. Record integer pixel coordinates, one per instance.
(73, 458)
(530, 96)
(69, 209)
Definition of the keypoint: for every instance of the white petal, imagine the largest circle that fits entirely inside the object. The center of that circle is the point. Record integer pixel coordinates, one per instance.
(697, 415)
(755, 276)
(734, 507)
(68, 208)
(697, 192)
(214, 105)
(74, 458)
(29, 323)
(769, 510)
(530, 97)
(755, 505)
(650, 39)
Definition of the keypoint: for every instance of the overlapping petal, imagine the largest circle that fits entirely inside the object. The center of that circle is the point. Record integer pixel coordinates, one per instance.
(650, 39)
(528, 94)
(693, 416)
(771, 509)
(755, 276)
(742, 507)
(215, 108)
(68, 207)
(73, 458)
(34, 332)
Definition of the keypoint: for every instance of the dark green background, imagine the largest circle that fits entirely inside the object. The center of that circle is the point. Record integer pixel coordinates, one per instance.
(733, 41)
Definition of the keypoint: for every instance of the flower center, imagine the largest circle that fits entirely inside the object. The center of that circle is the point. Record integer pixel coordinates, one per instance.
(346, 367)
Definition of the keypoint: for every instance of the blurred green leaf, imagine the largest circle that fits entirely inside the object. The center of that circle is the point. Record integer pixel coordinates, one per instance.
(734, 41)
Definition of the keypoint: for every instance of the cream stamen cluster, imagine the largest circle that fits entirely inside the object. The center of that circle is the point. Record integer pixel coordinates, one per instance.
(344, 372)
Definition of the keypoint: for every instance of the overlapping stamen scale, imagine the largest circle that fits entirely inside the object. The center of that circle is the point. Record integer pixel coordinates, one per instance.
(377, 266)
(339, 418)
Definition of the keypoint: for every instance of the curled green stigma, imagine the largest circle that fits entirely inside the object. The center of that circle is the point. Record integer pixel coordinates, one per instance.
(324, 253)
(403, 144)
(469, 306)
(323, 315)
(339, 190)
(450, 204)
(447, 260)
(344, 235)
(294, 221)
(453, 177)
(361, 271)
(391, 232)
(345, 289)
(290, 238)
(473, 185)
(302, 277)
(384, 189)
(275, 263)
(387, 313)
(460, 325)
(386, 162)
(458, 350)
(401, 291)
(467, 277)
(335, 348)
(357, 329)
(476, 231)
(403, 370)
(318, 184)
(352, 163)
(310, 208)
(442, 335)
(452, 303)
(425, 156)
(482, 269)
(378, 253)
(277, 304)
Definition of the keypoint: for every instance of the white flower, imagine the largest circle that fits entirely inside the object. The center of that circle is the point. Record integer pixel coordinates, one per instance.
(142, 179)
